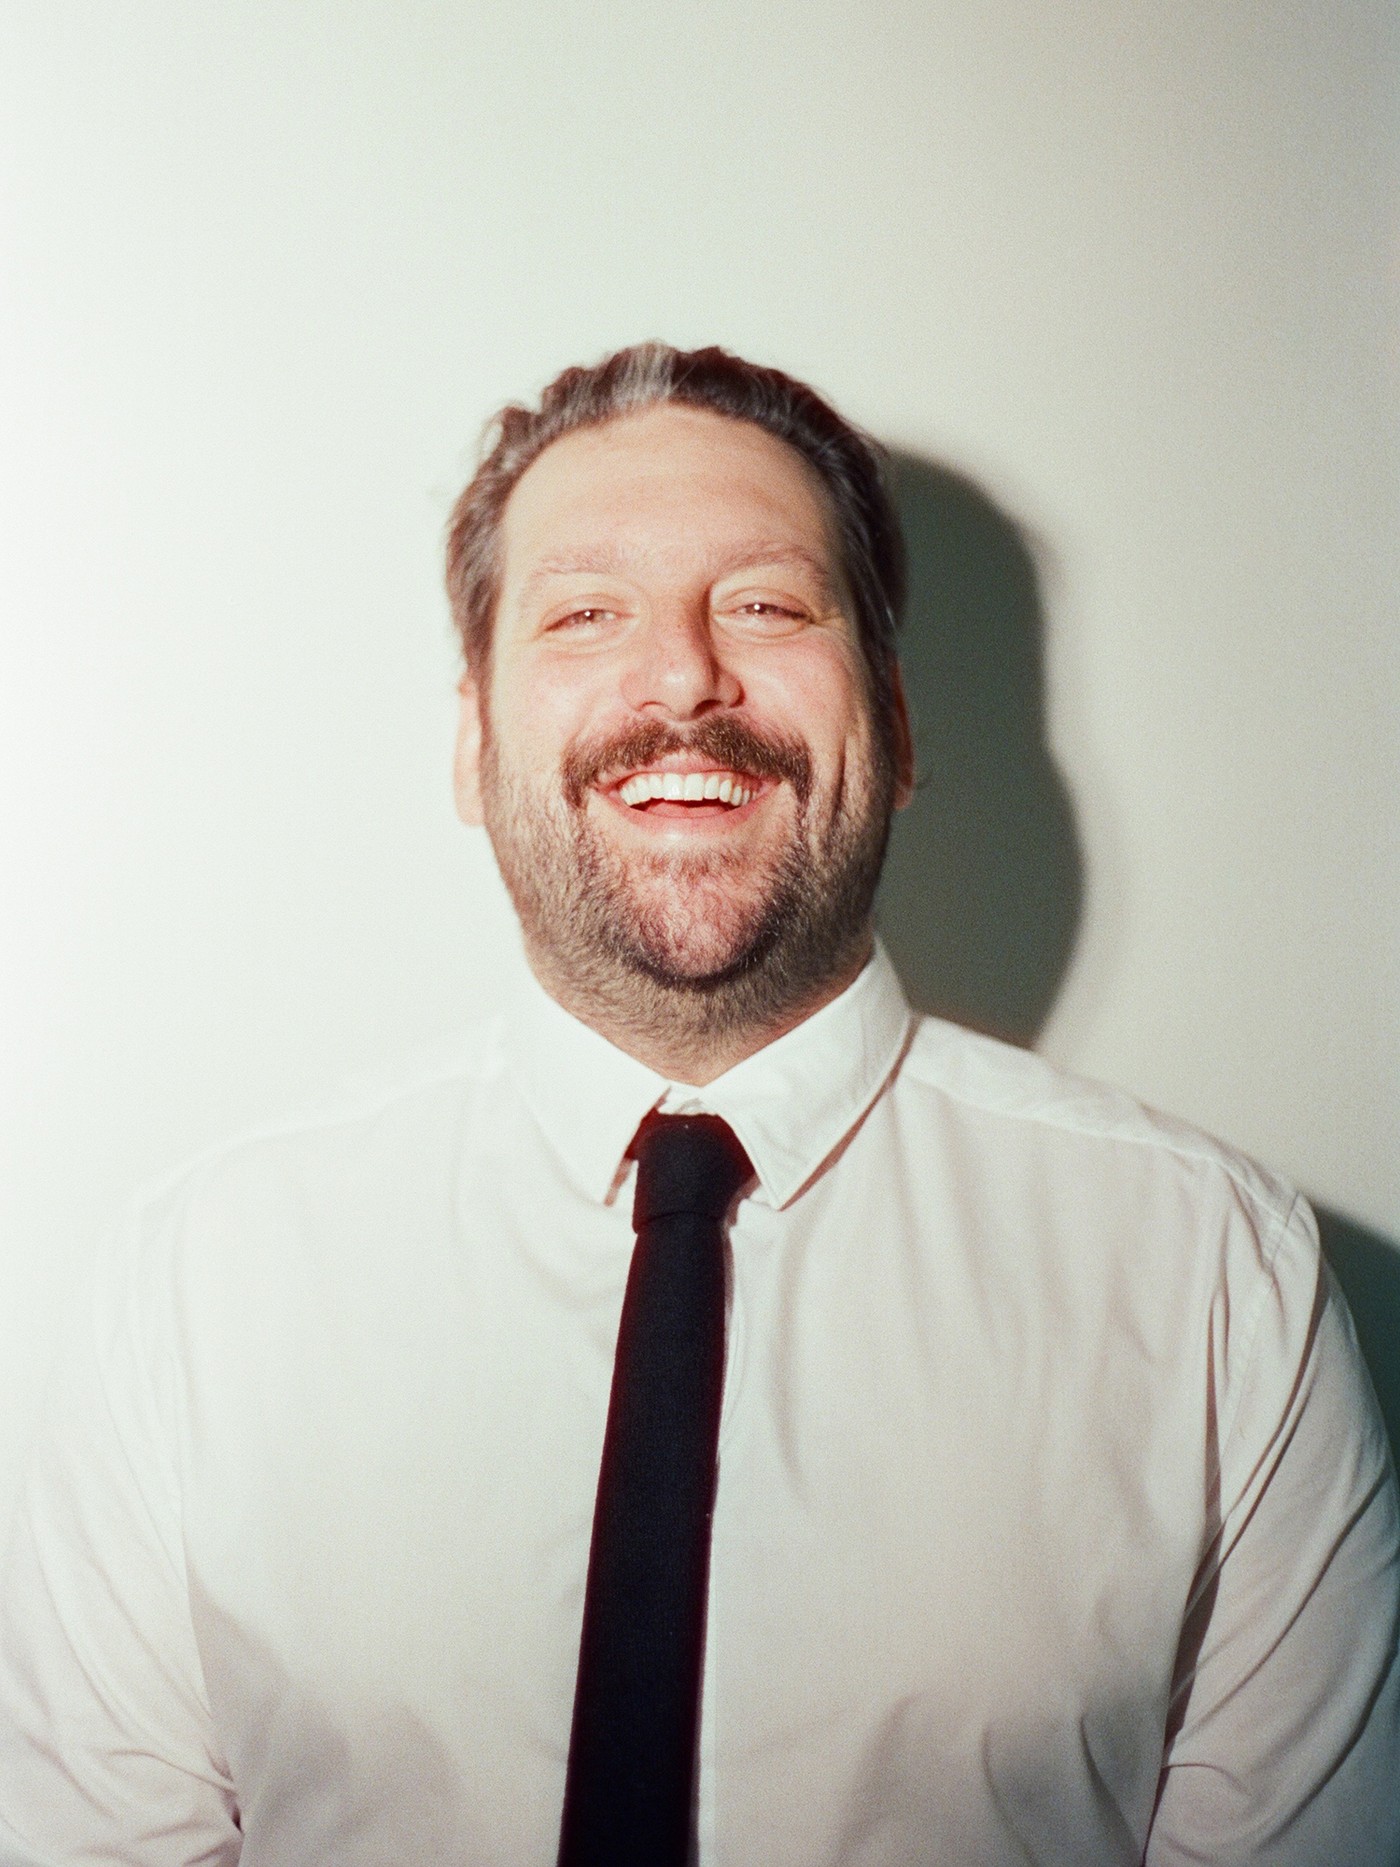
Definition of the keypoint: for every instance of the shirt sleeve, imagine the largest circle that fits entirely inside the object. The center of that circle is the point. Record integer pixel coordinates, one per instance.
(107, 1751)
(1284, 1740)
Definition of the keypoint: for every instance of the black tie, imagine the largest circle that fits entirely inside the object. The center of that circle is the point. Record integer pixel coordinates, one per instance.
(631, 1779)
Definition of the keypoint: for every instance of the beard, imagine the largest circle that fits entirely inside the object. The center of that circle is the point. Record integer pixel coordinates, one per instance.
(691, 943)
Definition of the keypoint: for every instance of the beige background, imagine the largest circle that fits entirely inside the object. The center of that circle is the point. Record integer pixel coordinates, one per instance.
(266, 268)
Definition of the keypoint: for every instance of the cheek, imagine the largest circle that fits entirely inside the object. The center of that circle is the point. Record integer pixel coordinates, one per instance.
(539, 712)
(819, 696)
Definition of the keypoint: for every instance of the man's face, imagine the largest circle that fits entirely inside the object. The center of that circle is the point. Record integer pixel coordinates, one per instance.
(676, 760)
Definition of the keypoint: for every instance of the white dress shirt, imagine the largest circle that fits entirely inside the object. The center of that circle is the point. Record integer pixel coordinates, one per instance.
(1055, 1519)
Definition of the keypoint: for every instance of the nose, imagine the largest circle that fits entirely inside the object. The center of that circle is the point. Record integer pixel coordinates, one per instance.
(677, 669)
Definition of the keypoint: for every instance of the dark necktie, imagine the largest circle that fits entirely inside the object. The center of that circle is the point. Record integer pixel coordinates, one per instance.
(631, 1778)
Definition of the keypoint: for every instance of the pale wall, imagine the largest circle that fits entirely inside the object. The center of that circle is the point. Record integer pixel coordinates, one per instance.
(266, 268)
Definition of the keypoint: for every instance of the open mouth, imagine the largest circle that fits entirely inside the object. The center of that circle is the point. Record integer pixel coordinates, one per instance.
(729, 790)
(717, 769)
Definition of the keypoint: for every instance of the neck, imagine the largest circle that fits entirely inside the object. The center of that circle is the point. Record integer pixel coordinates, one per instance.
(688, 1034)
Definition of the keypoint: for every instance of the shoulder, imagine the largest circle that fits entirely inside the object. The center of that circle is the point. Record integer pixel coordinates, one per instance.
(1126, 1224)
(400, 1123)
(1095, 1144)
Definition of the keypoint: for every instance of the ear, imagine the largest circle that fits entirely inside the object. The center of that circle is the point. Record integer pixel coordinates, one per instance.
(466, 764)
(904, 767)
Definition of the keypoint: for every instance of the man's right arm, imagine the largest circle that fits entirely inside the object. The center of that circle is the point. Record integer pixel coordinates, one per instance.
(107, 1751)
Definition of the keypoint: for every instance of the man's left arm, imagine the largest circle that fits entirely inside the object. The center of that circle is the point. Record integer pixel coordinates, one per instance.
(1285, 1737)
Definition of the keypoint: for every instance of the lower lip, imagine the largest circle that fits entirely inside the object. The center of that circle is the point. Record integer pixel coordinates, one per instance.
(669, 811)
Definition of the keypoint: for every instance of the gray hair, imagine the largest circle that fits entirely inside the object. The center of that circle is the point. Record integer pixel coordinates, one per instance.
(847, 462)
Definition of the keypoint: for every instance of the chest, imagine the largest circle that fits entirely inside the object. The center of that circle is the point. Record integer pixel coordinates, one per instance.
(958, 1514)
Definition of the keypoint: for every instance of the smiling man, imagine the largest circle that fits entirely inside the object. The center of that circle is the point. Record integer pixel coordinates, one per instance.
(957, 1463)
(672, 738)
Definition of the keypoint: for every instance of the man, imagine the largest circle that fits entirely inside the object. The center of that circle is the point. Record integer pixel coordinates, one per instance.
(1054, 1522)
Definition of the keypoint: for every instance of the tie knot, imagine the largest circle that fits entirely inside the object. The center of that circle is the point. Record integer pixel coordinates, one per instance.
(686, 1163)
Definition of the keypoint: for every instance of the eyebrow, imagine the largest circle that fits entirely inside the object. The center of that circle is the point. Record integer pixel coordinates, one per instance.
(756, 554)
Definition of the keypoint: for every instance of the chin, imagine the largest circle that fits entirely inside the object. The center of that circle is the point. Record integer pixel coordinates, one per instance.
(696, 945)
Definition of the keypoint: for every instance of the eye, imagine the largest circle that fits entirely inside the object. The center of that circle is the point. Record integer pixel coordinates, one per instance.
(589, 618)
(765, 615)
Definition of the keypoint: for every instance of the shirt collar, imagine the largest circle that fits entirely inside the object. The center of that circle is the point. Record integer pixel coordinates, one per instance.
(791, 1103)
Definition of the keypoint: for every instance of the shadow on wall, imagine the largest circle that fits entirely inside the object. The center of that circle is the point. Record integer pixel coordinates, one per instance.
(983, 887)
(1368, 1269)
(980, 901)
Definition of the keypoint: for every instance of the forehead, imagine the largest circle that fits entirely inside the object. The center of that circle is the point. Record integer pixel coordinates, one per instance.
(672, 487)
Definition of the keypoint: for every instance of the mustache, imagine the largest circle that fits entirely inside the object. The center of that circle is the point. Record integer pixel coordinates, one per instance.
(727, 741)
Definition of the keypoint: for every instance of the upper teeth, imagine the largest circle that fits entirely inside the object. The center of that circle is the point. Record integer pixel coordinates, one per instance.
(693, 787)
